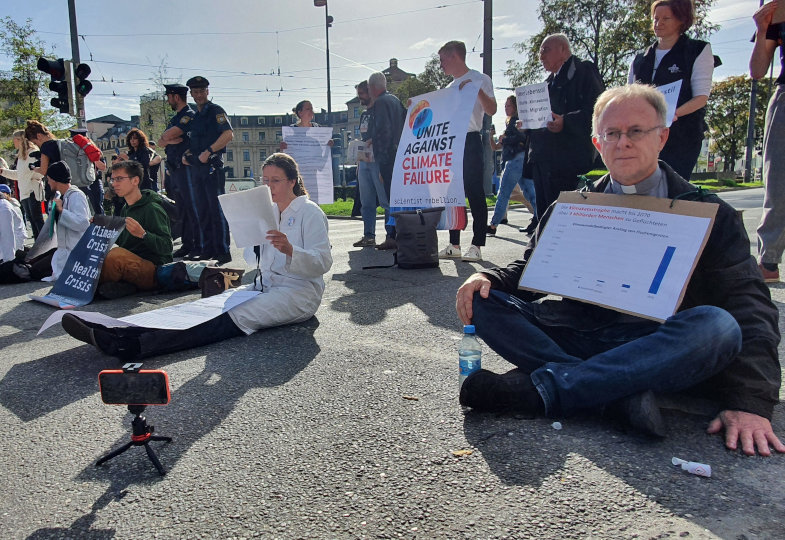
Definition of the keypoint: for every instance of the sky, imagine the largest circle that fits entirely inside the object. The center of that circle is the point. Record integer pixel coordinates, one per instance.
(263, 56)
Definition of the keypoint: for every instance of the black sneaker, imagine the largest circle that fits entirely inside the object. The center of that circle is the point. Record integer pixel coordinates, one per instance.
(513, 391)
(181, 252)
(223, 259)
(116, 289)
(195, 256)
(638, 413)
(78, 329)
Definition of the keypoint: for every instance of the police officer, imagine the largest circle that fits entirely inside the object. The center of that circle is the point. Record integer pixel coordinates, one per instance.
(210, 133)
(176, 141)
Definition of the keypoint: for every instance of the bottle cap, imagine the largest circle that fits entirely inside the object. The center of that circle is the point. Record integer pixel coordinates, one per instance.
(468, 328)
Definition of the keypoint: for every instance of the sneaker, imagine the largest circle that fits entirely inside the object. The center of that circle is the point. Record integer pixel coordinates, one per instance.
(472, 254)
(116, 289)
(450, 252)
(78, 329)
(638, 413)
(514, 391)
(365, 241)
(769, 276)
(490, 230)
(222, 259)
(181, 252)
(389, 243)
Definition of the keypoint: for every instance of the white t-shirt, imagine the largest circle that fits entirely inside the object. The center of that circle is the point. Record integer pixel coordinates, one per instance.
(475, 123)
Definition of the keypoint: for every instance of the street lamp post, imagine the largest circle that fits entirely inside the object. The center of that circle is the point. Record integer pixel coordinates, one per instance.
(327, 23)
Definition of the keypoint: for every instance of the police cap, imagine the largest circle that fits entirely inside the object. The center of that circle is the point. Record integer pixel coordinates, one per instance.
(176, 88)
(197, 82)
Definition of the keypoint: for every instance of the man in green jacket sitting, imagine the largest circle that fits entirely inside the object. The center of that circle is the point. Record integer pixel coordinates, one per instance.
(146, 242)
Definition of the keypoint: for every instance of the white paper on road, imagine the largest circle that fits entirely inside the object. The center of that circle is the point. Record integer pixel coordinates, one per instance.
(179, 317)
(308, 147)
(534, 105)
(627, 252)
(671, 93)
(428, 169)
(250, 215)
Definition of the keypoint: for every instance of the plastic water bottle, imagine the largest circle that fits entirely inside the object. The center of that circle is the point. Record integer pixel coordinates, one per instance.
(469, 354)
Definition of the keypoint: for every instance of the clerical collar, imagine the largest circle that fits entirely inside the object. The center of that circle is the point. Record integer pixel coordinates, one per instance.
(651, 185)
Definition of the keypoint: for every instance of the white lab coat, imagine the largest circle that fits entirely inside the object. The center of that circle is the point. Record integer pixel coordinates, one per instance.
(12, 230)
(71, 225)
(292, 287)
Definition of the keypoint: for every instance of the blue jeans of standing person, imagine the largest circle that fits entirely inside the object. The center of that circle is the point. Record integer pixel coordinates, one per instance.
(371, 190)
(512, 174)
(527, 186)
(576, 369)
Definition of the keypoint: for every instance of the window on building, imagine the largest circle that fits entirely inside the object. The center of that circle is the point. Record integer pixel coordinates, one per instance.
(356, 132)
(262, 155)
(230, 155)
(260, 121)
(246, 136)
(261, 136)
(278, 120)
(246, 172)
(357, 112)
(243, 121)
(278, 136)
(230, 172)
(246, 155)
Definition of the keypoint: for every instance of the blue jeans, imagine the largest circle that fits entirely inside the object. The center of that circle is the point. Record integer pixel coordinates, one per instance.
(527, 186)
(579, 369)
(371, 190)
(512, 174)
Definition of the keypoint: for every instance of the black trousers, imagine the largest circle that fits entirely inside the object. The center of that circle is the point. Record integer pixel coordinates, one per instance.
(474, 190)
(549, 181)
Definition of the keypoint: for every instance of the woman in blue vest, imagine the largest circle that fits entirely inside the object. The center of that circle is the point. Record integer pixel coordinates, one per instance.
(674, 57)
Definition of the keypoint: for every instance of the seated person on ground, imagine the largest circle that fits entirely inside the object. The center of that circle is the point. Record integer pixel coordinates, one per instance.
(12, 226)
(290, 273)
(72, 212)
(570, 355)
(146, 242)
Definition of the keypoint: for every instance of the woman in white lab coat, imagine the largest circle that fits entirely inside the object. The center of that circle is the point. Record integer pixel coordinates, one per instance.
(290, 269)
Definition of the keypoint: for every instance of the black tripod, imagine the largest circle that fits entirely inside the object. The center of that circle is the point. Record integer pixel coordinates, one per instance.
(141, 436)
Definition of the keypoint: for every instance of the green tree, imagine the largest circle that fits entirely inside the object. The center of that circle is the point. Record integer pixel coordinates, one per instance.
(607, 32)
(21, 85)
(727, 114)
(432, 78)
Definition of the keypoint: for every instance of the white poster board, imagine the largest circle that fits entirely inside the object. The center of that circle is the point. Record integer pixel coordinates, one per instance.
(671, 93)
(309, 148)
(250, 215)
(534, 105)
(429, 163)
(627, 252)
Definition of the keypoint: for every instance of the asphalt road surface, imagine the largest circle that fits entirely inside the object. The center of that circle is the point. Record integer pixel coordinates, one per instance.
(348, 426)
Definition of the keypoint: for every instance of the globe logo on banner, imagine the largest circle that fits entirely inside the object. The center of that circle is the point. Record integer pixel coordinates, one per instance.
(420, 117)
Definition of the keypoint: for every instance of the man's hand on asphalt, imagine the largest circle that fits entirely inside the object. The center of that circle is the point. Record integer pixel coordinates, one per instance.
(753, 431)
(465, 295)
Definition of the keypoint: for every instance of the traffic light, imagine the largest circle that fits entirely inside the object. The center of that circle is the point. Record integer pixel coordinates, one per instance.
(81, 84)
(60, 72)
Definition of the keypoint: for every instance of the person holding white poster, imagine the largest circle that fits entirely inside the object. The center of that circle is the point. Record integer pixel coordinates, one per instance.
(676, 57)
(452, 58)
(569, 355)
(289, 276)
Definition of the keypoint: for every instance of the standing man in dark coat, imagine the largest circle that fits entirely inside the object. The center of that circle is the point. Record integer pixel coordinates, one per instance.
(176, 141)
(563, 150)
(210, 133)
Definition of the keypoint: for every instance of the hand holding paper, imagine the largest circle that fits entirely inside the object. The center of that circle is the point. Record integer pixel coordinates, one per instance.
(250, 215)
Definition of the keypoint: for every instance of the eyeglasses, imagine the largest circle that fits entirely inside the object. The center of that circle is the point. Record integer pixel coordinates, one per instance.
(634, 134)
(118, 178)
(274, 181)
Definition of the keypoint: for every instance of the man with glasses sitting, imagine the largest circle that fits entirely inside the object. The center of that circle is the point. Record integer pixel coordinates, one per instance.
(571, 355)
(146, 242)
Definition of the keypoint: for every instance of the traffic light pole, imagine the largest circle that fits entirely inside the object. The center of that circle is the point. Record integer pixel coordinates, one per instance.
(80, 115)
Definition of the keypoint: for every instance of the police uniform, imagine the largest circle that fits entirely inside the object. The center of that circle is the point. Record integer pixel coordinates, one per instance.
(178, 187)
(208, 125)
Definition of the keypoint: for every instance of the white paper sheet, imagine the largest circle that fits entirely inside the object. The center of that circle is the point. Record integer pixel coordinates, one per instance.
(628, 259)
(177, 317)
(534, 105)
(250, 215)
(671, 93)
(308, 147)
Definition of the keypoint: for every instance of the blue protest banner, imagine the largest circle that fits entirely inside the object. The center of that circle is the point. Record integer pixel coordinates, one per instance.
(79, 279)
